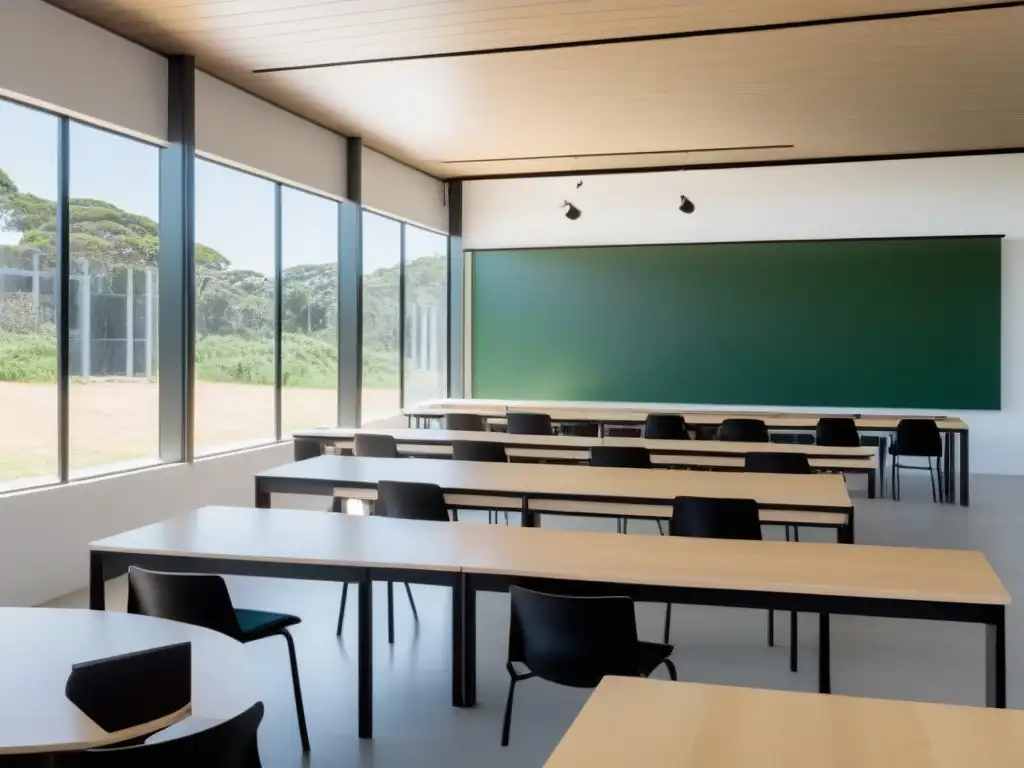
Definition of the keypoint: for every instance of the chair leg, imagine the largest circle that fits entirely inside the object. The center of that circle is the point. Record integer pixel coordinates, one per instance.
(625, 525)
(300, 711)
(671, 667)
(506, 725)
(931, 477)
(391, 613)
(793, 642)
(668, 620)
(796, 533)
(455, 515)
(771, 628)
(412, 603)
(341, 613)
(661, 531)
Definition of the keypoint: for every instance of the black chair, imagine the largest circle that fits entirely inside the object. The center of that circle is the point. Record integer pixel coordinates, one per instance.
(529, 424)
(376, 446)
(837, 432)
(203, 600)
(743, 431)
(779, 463)
(582, 429)
(481, 450)
(665, 426)
(622, 456)
(575, 641)
(708, 518)
(465, 422)
(229, 744)
(410, 501)
(918, 438)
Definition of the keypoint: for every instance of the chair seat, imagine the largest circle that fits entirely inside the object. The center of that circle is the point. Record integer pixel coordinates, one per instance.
(650, 655)
(894, 450)
(255, 625)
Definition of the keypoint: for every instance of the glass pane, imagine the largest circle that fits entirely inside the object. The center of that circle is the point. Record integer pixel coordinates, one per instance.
(114, 396)
(234, 398)
(426, 315)
(309, 339)
(28, 334)
(382, 255)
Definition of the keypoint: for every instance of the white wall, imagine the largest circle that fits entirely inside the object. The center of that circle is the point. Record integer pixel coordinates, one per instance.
(945, 196)
(44, 534)
(53, 59)
(241, 129)
(396, 189)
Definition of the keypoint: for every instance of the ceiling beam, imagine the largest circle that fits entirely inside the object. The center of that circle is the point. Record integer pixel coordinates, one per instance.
(896, 15)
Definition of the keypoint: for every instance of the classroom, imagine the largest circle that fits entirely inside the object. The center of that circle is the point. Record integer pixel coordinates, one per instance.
(514, 383)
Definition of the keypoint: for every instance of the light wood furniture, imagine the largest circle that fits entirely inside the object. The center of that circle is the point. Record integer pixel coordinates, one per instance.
(553, 488)
(945, 585)
(659, 724)
(39, 645)
(634, 414)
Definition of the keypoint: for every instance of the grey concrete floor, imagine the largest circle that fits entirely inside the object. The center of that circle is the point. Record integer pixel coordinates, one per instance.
(415, 724)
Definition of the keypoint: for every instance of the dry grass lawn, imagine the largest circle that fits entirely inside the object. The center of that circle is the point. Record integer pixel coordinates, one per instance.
(115, 421)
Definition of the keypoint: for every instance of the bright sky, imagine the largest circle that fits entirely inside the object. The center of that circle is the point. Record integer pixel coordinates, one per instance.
(234, 210)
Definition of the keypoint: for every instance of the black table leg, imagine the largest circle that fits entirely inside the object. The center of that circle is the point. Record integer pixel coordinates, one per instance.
(871, 485)
(883, 447)
(262, 496)
(97, 584)
(469, 643)
(995, 662)
(528, 518)
(824, 654)
(793, 641)
(366, 657)
(459, 640)
(965, 470)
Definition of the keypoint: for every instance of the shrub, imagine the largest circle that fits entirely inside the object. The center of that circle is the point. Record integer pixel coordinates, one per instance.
(28, 357)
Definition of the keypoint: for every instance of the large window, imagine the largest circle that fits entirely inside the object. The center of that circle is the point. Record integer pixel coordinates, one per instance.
(309, 311)
(382, 319)
(28, 333)
(113, 393)
(424, 369)
(234, 391)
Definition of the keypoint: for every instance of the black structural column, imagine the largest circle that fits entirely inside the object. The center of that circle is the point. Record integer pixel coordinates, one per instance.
(350, 289)
(456, 292)
(177, 289)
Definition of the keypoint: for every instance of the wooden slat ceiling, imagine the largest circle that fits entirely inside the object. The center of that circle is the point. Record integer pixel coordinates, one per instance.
(950, 82)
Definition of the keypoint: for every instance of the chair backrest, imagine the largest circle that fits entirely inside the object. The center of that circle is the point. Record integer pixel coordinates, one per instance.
(917, 437)
(582, 429)
(378, 446)
(191, 598)
(743, 431)
(572, 640)
(780, 462)
(228, 744)
(616, 456)
(707, 518)
(411, 501)
(464, 422)
(478, 450)
(529, 424)
(837, 431)
(665, 426)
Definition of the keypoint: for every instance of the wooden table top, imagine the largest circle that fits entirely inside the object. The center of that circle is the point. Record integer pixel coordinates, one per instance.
(660, 724)
(310, 537)
(39, 645)
(571, 481)
(694, 447)
(637, 412)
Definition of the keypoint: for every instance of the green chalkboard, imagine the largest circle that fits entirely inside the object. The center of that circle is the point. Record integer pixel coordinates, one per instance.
(908, 323)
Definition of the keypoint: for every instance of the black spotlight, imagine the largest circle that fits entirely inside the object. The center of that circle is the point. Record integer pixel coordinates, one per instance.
(573, 212)
(686, 204)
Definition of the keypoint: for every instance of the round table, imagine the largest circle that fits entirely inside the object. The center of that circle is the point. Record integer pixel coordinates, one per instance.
(39, 645)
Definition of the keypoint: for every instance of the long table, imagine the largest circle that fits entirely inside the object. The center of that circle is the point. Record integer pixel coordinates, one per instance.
(658, 724)
(827, 579)
(533, 489)
(634, 414)
(691, 454)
